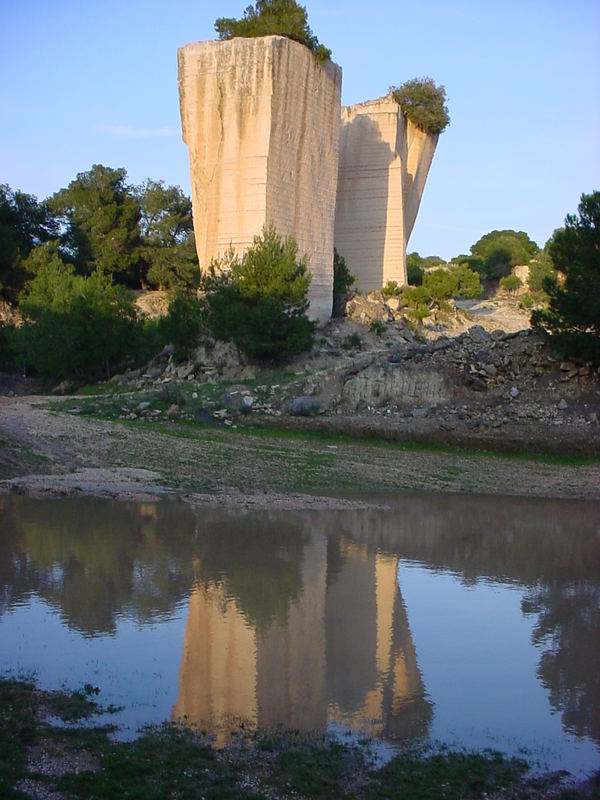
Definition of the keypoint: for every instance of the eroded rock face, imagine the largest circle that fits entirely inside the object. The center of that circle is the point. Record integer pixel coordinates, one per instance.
(261, 120)
(383, 165)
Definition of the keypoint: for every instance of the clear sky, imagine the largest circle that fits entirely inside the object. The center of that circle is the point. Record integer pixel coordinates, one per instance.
(95, 81)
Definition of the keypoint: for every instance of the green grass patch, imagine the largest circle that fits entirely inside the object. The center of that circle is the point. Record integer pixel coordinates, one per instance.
(443, 776)
(177, 762)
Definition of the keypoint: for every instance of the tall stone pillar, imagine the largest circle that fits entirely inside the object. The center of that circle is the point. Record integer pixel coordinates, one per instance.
(261, 120)
(383, 165)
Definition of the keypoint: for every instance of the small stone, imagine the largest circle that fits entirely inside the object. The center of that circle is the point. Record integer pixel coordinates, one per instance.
(173, 411)
(563, 404)
(246, 404)
(419, 413)
(143, 405)
(513, 392)
(194, 395)
(593, 417)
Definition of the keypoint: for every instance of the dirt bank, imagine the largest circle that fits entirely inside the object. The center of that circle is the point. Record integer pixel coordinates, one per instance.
(48, 450)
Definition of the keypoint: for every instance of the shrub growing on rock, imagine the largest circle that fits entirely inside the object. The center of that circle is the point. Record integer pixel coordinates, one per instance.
(269, 17)
(259, 301)
(391, 289)
(423, 103)
(511, 282)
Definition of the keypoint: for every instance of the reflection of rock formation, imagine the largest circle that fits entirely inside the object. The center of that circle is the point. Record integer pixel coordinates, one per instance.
(342, 653)
(384, 163)
(291, 653)
(372, 674)
(217, 678)
(261, 120)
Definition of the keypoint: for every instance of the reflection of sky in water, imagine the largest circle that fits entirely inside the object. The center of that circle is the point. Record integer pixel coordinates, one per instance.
(136, 667)
(377, 620)
(475, 654)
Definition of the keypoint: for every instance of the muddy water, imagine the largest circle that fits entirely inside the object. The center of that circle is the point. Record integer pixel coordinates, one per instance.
(468, 620)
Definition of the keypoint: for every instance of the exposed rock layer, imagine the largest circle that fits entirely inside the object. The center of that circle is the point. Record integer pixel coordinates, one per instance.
(261, 120)
(383, 165)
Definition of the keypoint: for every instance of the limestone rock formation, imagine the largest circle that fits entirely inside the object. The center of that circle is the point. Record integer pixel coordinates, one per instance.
(261, 120)
(383, 165)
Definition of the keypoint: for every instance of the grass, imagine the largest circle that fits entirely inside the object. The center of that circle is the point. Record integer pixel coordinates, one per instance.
(173, 761)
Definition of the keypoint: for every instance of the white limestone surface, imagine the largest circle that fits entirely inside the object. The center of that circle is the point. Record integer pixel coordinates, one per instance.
(261, 121)
(383, 165)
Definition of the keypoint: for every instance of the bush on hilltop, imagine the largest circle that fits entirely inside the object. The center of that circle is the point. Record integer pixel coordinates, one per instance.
(274, 17)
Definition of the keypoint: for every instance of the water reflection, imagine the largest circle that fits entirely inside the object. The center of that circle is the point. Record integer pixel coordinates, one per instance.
(299, 618)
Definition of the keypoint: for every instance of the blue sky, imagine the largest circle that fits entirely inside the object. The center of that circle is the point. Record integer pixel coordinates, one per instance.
(89, 82)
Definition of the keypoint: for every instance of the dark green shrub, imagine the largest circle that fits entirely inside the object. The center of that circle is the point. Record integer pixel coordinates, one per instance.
(572, 318)
(423, 103)
(183, 323)
(414, 274)
(511, 283)
(269, 17)
(75, 327)
(259, 301)
(416, 299)
(459, 281)
(342, 277)
(468, 284)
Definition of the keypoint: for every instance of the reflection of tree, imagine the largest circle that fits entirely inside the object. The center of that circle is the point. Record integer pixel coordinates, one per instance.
(551, 546)
(94, 560)
(259, 562)
(568, 627)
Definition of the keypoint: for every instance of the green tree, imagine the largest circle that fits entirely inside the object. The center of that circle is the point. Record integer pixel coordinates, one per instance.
(423, 103)
(24, 224)
(500, 251)
(100, 217)
(260, 300)
(572, 318)
(74, 326)
(168, 248)
(269, 17)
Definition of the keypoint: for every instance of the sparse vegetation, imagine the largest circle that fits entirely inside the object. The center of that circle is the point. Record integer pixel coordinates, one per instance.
(352, 342)
(274, 17)
(511, 282)
(423, 103)
(342, 277)
(391, 289)
(377, 327)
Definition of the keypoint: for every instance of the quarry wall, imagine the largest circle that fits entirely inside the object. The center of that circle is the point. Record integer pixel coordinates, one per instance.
(261, 120)
(383, 165)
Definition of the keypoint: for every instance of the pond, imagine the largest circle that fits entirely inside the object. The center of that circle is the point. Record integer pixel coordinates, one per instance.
(467, 620)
